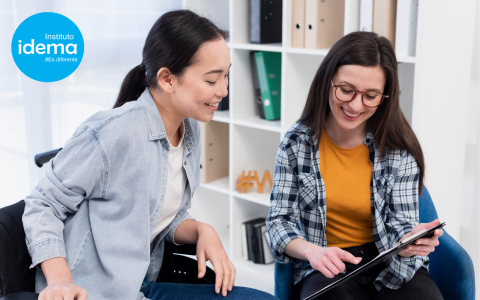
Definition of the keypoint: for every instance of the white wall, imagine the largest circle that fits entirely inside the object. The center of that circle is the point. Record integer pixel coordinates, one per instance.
(211, 9)
(443, 74)
(446, 114)
(469, 226)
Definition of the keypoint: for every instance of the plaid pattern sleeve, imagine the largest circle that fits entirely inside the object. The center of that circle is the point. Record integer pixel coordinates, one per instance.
(284, 211)
(403, 214)
(298, 204)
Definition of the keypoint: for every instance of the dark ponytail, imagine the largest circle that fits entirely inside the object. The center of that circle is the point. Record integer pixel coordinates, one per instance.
(172, 42)
(132, 87)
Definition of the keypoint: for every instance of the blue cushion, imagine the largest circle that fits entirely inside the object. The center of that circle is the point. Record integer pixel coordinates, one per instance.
(449, 260)
(427, 210)
(450, 265)
(283, 281)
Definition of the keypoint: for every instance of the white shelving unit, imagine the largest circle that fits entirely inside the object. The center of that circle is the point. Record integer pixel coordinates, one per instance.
(253, 141)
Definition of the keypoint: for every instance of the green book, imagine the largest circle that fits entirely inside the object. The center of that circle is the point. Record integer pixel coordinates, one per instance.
(269, 68)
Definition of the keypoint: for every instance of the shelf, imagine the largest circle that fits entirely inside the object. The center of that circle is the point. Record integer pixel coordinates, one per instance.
(259, 47)
(252, 275)
(406, 59)
(256, 122)
(257, 276)
(220, 185)
(253, 142)
(222, 116)
(299, 71)
(321, 52)
(253, 150)
(259, 198)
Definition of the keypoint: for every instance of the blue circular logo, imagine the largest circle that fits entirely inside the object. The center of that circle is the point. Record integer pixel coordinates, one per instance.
(47, 47)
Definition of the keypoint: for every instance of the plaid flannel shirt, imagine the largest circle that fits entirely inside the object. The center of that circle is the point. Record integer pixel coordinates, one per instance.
(298, 204)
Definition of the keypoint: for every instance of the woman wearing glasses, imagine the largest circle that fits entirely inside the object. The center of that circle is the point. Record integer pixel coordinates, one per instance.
(347, 181)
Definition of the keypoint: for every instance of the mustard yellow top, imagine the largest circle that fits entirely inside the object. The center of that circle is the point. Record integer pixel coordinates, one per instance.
(347, 174)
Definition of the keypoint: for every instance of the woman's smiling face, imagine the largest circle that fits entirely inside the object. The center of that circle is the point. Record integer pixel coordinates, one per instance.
(204, 84)
(351, 115)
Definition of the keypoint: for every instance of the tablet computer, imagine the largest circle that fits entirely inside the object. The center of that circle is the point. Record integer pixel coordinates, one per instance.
(401, 245)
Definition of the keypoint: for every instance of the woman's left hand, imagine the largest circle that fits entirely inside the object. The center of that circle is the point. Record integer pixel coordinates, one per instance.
(209, 247)
(423, 246)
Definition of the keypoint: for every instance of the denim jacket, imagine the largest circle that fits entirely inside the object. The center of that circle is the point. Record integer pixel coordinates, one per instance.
(101, 198)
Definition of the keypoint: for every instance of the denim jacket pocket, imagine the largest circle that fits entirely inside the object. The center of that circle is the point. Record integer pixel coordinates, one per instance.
(307, 192)
(80, 250)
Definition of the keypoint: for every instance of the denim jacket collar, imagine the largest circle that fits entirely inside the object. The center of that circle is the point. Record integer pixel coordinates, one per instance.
(156, 128)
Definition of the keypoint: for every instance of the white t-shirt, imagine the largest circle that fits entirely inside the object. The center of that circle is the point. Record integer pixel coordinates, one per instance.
(176, 181)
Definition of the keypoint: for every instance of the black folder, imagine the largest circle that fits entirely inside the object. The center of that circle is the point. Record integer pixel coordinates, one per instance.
(257, 237)
(265, 21)
(254, 241)
(381, 257)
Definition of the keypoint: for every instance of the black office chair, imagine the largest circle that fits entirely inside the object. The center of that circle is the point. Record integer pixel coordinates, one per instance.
(17, 281)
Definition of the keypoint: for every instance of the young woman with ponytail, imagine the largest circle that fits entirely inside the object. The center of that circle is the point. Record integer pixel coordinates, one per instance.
(347, 181)
(122, 185)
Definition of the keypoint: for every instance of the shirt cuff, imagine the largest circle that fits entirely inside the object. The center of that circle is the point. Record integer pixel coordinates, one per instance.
(45, 249)
(175, 227)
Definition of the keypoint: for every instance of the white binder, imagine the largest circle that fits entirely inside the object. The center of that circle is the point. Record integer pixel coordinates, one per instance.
(324, 23)
(352, 16)
(406, 29)
(384, 18)
(366, 15)
(298, 23)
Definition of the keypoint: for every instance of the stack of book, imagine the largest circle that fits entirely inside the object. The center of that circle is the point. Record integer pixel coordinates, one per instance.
(267, 79)
(256, 242)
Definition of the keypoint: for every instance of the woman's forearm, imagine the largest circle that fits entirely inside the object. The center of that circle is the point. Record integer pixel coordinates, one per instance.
(299, 248)
(189, 230)
(56, 269)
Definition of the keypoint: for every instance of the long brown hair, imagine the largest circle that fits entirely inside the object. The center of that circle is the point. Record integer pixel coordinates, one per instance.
(389, 126)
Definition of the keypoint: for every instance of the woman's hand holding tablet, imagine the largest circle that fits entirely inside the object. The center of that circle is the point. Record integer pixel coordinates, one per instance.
(423, 246)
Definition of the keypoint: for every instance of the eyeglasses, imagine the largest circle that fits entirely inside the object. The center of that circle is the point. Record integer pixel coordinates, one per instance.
(346, 93)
